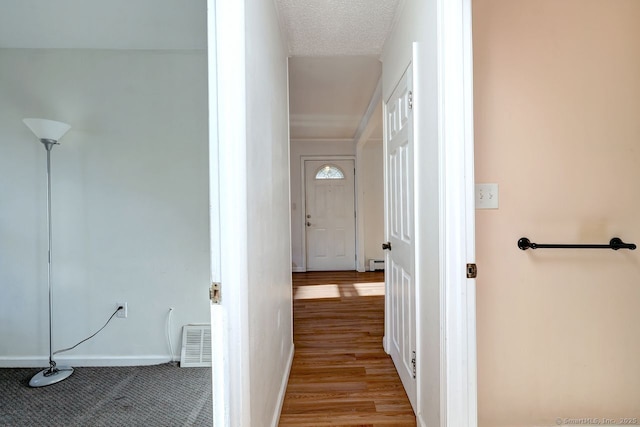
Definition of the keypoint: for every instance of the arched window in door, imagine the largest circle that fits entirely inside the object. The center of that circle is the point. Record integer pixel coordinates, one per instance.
(329, 172)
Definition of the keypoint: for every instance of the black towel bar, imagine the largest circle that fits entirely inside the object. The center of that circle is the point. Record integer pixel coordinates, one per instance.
(615, 244)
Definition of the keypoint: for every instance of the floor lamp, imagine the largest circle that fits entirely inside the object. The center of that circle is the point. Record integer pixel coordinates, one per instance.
(49, 132)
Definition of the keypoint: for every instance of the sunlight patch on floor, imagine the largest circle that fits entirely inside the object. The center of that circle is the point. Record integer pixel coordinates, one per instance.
(369, 289)
(336, 291)
(317, 291)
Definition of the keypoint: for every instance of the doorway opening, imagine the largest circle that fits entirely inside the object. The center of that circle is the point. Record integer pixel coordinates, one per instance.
(329, 214)
(336, 114)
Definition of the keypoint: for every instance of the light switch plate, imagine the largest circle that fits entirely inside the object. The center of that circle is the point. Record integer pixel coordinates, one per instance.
(487, 196)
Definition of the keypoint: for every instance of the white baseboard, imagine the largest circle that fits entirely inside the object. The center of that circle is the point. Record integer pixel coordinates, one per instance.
(283, 389)
(421, 421)
(298, 270)
(83, 361)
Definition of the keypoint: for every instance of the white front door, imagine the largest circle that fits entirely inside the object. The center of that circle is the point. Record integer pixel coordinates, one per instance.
(330, 214)
(400, 233)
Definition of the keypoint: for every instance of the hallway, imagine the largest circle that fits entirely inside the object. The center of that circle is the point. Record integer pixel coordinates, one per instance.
(341, 374)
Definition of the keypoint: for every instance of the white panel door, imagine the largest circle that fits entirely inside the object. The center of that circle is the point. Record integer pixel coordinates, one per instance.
(330, 214)
(400, 232)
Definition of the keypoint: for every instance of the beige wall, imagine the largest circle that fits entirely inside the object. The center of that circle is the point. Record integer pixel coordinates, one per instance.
(557, 109)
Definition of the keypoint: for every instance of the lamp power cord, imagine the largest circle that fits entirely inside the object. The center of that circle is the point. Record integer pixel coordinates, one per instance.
(96, 333)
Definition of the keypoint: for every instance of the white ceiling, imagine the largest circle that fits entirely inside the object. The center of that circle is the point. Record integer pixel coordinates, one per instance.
(328, 96)
(334, 44)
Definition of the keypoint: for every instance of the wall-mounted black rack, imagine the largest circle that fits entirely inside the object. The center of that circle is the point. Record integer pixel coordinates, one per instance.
(615, 244)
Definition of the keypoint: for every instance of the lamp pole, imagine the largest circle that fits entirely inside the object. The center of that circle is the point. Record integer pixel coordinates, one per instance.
(48, 145)
(49, 132)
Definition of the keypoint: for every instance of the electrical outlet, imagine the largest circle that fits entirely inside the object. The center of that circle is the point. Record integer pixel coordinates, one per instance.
(123, 312)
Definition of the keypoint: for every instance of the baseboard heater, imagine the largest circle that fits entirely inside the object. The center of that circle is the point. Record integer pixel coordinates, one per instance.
(376, 264)
(196, 346)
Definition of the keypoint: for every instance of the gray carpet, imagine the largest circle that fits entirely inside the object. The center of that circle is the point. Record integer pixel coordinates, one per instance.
(161, 395)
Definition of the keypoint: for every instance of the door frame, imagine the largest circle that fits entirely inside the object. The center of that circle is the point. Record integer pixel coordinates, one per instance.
(458, 381)
(458, 355)
(459, 395)
(227, 158)
(303, 192)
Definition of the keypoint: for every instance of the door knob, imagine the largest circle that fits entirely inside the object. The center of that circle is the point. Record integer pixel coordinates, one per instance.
(386, 246)
(308, 216)
(308, 224)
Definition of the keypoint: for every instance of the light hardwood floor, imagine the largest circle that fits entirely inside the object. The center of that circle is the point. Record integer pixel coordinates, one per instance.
(341, 375)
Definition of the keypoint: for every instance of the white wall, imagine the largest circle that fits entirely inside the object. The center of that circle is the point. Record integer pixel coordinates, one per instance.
(130, 202)
(372, 188)
(418, 23)
(269, 238)
(372, 211)
(299, 149)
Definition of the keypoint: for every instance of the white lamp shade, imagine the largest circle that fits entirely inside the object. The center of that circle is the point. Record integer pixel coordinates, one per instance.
(47, 129)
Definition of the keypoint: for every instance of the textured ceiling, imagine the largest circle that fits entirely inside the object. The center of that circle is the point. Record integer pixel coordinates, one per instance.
(336, 27)
(334, 71)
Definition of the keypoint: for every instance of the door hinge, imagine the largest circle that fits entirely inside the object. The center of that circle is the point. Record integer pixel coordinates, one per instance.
(472, 271)
(410, 100)
(215, 293)
(413, 363)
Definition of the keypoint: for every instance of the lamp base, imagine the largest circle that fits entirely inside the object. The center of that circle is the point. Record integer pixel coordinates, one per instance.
(51, 376)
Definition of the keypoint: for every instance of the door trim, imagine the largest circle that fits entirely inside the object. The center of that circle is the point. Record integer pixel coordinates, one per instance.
(457, 212)
(227, 118)
(303, 219)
